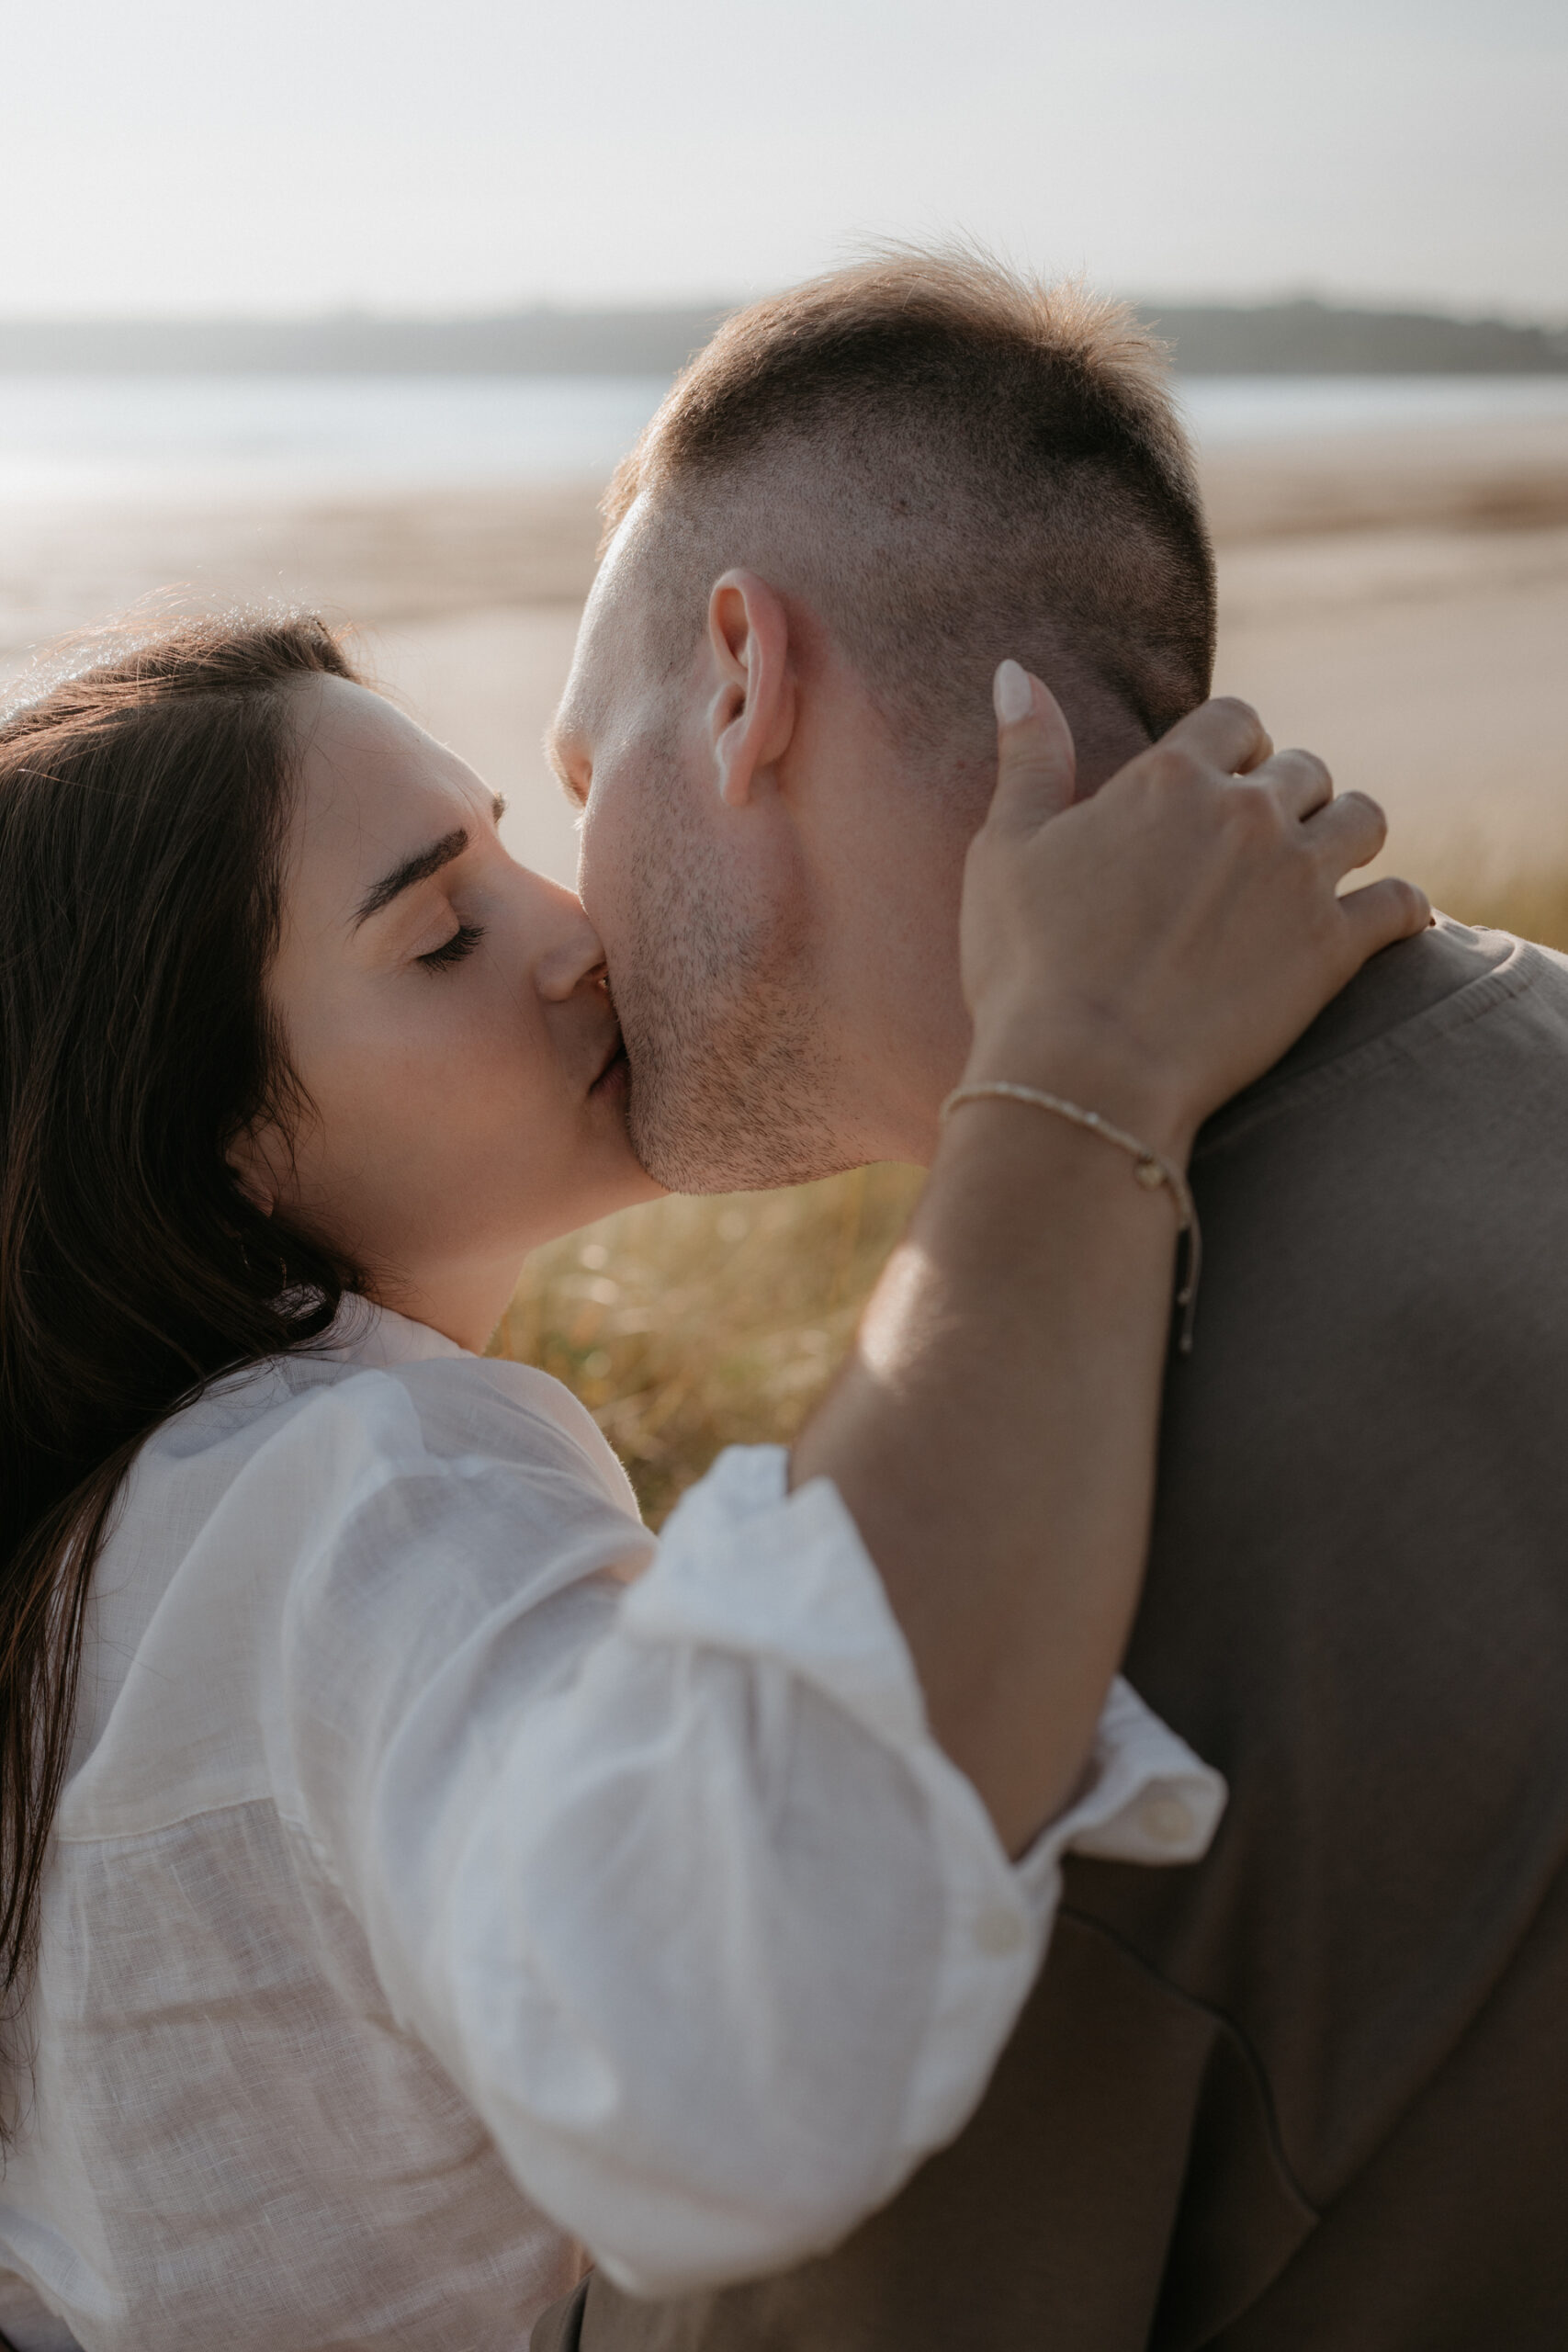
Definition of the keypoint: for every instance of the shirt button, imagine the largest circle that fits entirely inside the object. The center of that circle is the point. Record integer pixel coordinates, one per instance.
(1167, 1818)
(998, 1931)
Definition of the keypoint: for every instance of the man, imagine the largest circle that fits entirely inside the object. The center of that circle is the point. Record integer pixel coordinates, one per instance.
(1312, 2091)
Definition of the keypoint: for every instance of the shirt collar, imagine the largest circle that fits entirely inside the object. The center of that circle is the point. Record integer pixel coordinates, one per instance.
(376, 1339)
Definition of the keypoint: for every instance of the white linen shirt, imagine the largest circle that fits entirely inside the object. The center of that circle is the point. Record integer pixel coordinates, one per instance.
(450, 1877)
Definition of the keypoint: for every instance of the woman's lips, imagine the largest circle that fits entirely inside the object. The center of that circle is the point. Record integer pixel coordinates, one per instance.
(614, 1076)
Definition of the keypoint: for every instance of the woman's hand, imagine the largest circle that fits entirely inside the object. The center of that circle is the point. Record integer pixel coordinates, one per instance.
(1152, 950)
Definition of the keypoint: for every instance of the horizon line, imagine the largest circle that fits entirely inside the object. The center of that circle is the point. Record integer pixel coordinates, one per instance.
(366, 313)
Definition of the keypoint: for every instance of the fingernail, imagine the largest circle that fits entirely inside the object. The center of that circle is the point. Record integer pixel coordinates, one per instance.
(1012, 694)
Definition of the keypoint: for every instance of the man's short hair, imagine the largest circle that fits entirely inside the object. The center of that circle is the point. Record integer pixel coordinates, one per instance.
(950, 464)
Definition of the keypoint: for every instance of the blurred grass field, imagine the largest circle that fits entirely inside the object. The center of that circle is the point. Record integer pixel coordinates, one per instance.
(689, 1325)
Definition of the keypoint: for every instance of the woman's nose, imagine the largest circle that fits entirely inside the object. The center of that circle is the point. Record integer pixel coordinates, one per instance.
(569, 953)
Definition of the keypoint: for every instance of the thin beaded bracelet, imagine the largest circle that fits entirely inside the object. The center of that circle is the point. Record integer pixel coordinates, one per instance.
(1150, 1169)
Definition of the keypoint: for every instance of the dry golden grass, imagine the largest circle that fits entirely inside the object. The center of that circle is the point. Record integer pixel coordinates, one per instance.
(1529, 900)
(691, 1325)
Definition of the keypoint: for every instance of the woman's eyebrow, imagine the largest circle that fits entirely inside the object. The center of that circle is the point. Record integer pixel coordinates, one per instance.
(417, 868)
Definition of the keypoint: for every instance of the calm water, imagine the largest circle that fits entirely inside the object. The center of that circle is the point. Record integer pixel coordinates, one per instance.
(205, 437)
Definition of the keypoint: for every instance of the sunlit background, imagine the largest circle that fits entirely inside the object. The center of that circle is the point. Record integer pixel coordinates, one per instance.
(360, 305)
(194, 154)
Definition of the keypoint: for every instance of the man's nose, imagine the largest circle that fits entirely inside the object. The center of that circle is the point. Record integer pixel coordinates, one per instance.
(569, 953)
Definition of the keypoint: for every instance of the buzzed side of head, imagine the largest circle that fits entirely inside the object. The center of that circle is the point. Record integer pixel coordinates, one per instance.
(950, 464)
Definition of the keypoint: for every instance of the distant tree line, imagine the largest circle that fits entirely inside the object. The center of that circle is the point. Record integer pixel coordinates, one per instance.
(1307, 338)
(1298, 339)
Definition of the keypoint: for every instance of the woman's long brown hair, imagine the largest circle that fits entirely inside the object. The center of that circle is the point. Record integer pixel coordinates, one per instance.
(144, 805)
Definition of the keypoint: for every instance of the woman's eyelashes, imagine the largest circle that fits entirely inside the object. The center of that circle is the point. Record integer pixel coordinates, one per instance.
(463, 941)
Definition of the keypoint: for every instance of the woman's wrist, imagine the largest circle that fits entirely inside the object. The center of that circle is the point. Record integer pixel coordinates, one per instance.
(1094, 1063)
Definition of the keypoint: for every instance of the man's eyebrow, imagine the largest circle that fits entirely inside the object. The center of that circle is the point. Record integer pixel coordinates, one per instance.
(417, 868)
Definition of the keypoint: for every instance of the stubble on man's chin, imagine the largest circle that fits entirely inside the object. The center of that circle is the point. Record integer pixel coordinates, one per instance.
(731, 1067)
(737, 1103)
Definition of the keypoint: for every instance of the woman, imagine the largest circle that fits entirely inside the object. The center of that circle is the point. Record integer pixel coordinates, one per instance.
(411, 1872)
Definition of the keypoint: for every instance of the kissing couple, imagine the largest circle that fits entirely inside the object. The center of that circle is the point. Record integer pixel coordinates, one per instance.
(435, 1914)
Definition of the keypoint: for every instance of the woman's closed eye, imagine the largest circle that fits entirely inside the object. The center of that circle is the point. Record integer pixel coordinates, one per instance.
(463, 941)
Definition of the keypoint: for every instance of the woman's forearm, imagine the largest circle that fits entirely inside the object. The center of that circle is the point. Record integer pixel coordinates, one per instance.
(993, 1438)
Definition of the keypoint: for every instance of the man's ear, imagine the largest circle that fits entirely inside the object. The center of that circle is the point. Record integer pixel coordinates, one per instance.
(752, 713)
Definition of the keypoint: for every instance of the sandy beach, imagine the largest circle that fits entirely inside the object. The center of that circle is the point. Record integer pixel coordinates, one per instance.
(1399, 602)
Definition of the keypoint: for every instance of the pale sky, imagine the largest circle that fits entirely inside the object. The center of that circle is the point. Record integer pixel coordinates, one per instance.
(300, 155)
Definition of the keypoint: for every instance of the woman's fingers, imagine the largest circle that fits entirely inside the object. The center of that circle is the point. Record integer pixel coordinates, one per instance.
(1299, 779)
(1380, 912)
(1036, 765)
(1222, 733)
(1347, 833)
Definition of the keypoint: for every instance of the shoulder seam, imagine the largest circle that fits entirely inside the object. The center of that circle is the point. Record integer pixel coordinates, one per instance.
(1472, 1002)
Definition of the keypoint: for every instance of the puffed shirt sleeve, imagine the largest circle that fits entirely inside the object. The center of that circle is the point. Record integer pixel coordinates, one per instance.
(670, 1873)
